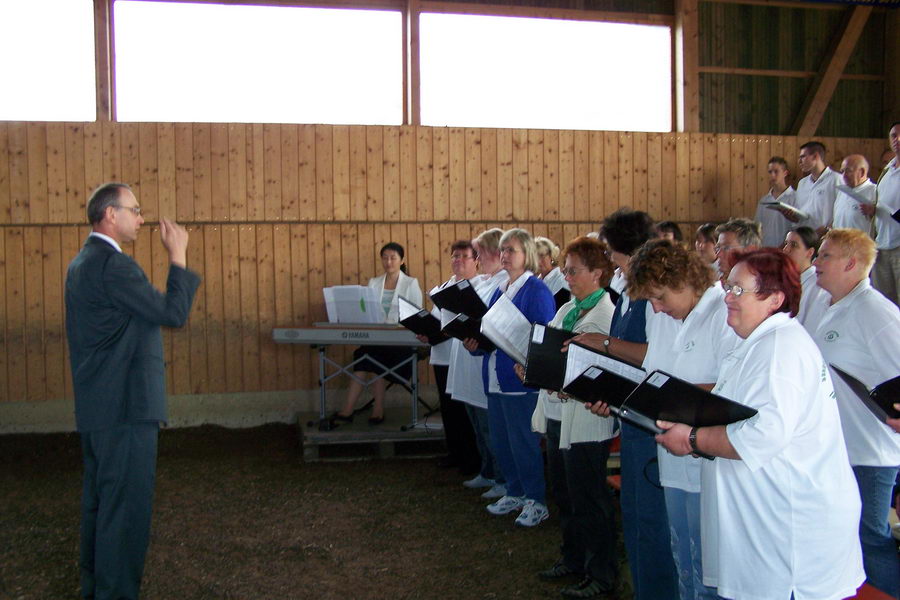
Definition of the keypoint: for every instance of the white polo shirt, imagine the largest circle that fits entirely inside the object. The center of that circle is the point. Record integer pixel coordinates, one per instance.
(774, 225)
(816, 198)
(888, 203)
(813, 299)
(691, 350)
(785, 518)
(860, 333)
(846, 208)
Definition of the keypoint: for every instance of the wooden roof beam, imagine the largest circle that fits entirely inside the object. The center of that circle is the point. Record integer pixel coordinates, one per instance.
(826, 80)
(687, 60)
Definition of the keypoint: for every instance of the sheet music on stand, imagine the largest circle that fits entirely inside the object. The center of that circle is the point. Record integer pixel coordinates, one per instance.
(353, 304)
(507, 328)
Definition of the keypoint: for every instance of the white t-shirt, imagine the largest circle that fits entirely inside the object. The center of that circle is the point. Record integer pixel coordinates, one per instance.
(860, 333)
(774, 225)
(785, 518)
(813, 299)
(464, 381)
(816, 198)
(888, 203)
(691, 350)
(846, 208)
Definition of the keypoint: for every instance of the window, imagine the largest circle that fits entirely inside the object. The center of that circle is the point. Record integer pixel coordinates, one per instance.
(481, 71)
(48, 60)
(271, 64)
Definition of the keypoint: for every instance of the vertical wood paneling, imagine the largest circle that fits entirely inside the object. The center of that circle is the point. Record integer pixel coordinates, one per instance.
(340, 163)
(37, 172)
(421, 187)
(189, 344)
(215, 317)
(391, 176)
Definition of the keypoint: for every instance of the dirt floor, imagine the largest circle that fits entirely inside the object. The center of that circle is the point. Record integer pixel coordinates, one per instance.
(239, 515)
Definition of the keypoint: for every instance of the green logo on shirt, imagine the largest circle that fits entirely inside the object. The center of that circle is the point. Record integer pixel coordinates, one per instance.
(832, 336)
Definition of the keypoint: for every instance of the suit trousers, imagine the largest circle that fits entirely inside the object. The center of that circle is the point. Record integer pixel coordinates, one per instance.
(116, 508)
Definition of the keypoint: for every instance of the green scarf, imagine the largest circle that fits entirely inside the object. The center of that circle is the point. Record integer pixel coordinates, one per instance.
(580, 305)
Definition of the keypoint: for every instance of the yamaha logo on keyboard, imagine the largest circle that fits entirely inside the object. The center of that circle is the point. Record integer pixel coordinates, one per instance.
(359, 335)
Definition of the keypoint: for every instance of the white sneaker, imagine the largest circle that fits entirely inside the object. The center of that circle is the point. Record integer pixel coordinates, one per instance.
(497, 491)
(532, 514)
(506, 505)
(479, 482)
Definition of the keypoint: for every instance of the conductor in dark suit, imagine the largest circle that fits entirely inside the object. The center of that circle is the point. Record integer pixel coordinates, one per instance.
(113, 319)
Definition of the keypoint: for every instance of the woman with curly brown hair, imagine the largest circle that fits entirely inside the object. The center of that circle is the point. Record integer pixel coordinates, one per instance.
(689, 345)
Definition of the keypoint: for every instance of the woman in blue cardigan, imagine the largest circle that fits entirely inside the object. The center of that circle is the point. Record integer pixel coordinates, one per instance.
(510, 404)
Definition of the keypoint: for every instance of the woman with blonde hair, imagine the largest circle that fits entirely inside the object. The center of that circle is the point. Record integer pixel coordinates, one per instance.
(549, 272)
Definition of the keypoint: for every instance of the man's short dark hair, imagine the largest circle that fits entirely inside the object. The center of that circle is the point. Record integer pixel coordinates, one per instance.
(816, 148)
(103, 197)
(779, 160)
(626, 230)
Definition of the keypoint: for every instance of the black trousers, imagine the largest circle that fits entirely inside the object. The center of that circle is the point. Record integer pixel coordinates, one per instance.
(586, 512)
(458, 432)
(116, 508)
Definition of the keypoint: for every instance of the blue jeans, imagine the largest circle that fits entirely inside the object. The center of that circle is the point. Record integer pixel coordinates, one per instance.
(683, 510)
(645, 526)
(489, 467)
(516, 446)
(878, 547)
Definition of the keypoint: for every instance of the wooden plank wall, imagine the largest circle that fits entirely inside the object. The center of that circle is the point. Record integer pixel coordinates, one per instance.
(276, 212)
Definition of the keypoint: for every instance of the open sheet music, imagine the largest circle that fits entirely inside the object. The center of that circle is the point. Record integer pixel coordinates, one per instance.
(507, 328)
(780, 206)
(592, 376)
(353, 304)
(420, 321)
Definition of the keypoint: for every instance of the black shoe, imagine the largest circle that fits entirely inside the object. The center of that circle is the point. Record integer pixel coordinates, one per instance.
(558, 571)
(376, 420)
(586, 588)
(336, 416)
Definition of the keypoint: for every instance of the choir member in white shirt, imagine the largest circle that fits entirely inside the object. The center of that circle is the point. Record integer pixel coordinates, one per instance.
(462, 452)
(705, 244)
(464, 377)
(816, 191)
(886, 274)
(549, 271)
(780, 503)
(848, 207)
(669, 230)
(774, 224)
(689, 343)
(801, 244)
(735, 234)
(859, 332)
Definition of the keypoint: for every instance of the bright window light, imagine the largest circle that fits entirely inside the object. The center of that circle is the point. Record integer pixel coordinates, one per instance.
(269, 64)
(480, 71)
(47, 68)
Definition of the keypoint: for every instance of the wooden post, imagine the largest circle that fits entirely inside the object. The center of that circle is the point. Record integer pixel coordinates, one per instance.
(826, 80)
(892, 70)
(413, 91)
(687, 77)
(102, 56)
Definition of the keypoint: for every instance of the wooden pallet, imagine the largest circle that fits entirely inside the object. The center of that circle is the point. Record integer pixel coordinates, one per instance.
(363, 442)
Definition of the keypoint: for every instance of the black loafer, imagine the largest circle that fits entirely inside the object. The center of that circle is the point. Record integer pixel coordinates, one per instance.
(376, 420)
(342, 418)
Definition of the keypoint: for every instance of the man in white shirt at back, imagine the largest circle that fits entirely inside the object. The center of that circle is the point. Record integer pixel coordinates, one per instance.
(774, 225)
(855, 192)
(816, 191)
(886, 274)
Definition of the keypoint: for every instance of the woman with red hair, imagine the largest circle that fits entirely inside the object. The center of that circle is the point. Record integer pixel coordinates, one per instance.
(780, 504)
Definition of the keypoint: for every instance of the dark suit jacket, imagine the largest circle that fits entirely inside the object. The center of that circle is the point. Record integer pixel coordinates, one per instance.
(113, 319)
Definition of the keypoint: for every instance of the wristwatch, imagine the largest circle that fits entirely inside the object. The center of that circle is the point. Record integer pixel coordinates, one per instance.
(692, 440)
(606, 345)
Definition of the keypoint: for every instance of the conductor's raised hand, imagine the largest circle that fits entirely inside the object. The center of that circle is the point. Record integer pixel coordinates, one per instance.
(175, 239)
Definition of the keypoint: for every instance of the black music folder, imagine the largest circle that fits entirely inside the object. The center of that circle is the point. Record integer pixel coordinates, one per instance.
(664, 397)
(880, 400)
(460, 298)
(421, 322)
(592, 376)
(545, 364)
(462, 326)
(896, 216)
